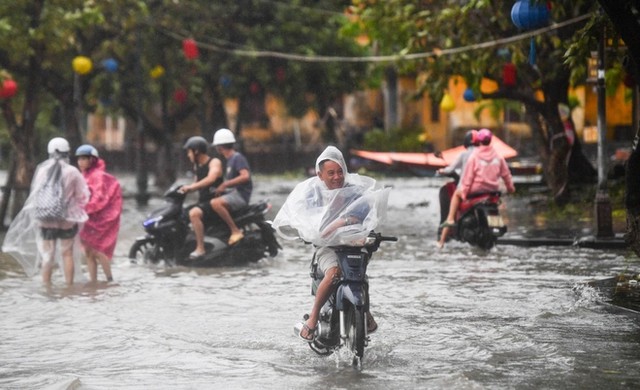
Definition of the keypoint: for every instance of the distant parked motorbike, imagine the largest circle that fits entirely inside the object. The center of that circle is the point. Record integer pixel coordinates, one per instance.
(342, 320)
(478, 220)
(170, 239)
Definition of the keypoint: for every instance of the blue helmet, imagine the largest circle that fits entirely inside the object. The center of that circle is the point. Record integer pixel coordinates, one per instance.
(86, 150)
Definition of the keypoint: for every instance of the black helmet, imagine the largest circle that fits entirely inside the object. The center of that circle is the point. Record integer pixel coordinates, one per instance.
(470, 138)
(197, 143)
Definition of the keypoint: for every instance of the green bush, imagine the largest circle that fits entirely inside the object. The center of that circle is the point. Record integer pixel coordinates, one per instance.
(396, 140)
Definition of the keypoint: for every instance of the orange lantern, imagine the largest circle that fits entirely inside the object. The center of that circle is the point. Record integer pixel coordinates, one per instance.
(9, 89)
(190, 49)
(82, 65)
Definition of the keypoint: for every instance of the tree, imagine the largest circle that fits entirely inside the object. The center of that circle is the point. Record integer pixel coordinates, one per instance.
(472, 40)
(625, 20)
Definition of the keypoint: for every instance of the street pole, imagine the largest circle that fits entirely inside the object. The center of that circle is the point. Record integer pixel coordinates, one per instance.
(142, 197)
(604, 228)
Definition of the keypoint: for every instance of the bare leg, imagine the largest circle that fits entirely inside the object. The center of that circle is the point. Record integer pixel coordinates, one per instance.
(220, 207)
(325, 289)
(453, 209)
(92, 265)
(195, 216)
(106, 265)
(66, 247)
(48, 247)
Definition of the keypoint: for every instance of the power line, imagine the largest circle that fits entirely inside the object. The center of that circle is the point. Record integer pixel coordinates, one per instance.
(385, 58)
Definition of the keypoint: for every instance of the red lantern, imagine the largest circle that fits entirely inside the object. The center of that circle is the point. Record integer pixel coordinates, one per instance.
(9, 88)
(254, 88)
(180, 96)
(280, 74)
(509, 75)
(190, 49)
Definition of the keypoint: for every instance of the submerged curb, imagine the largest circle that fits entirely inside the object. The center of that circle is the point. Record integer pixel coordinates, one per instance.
(616, 242)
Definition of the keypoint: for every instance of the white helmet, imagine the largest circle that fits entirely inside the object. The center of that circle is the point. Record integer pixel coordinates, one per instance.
(58, 144)
(223, 137)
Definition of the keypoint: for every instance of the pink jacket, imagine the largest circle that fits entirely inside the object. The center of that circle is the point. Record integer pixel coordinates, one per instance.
(483, 172)
(100, 232)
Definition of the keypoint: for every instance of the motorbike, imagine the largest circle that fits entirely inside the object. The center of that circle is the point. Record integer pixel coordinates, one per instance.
(478, 220)
(343, 320)
(169, 238)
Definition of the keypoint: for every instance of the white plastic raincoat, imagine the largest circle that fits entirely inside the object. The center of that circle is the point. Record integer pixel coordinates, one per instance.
(311, 208)
(23, 240)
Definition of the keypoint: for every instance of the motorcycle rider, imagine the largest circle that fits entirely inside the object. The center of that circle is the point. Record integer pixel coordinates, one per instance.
(457, 166)
(328, 210)
(237, 178)
(208, 177)
(482, 173)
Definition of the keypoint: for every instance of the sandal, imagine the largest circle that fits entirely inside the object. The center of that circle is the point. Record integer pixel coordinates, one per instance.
(234, 238)
(310, 331)
(195, 255)
(447, 224)
(372, 325)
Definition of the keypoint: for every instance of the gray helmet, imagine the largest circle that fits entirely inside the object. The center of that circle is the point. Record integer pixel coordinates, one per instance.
(86, 150)
(197, 143)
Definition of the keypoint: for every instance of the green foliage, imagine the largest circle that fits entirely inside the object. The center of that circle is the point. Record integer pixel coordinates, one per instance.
(397, 140)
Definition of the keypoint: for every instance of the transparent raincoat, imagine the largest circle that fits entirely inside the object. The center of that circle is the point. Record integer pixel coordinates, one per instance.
(317, 214)
(23, 240)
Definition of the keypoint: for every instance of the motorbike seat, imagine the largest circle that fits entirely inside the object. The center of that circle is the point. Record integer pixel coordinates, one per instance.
(479, 197)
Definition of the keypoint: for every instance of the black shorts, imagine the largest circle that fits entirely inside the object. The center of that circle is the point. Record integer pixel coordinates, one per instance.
(208, 215)
(55, 233)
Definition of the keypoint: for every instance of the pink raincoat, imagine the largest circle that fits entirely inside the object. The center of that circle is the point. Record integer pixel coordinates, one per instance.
(100, 232)
(483, 171)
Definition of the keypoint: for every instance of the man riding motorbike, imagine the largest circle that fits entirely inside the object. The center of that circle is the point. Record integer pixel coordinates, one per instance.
(208, 176)
(331, 209)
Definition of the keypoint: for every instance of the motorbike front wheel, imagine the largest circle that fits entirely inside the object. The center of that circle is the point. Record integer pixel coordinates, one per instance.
(145, 251)
(354, 317)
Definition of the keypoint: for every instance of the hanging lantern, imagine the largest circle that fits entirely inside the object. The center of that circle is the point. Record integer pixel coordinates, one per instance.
(190, 49)
(156, 72)
(280, 74)
(447, 104)
(9, 89)
(225, 81)
(469, 95)
(509, 75)
(527, 16)
(82, 65)
(254, 88)
(180, 96)
(110, 65)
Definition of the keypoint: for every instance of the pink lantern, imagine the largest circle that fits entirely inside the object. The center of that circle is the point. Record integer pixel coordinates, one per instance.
(9, 89)
(190, 49)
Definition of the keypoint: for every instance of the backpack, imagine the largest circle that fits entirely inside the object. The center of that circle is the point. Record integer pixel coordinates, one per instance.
(50, 205)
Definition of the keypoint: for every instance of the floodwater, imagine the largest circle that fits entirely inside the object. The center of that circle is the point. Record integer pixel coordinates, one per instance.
(510, 318)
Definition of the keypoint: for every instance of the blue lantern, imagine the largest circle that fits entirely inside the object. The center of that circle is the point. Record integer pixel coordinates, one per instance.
(110, 65)
(468, 95)
(527, 16)
(225, 81)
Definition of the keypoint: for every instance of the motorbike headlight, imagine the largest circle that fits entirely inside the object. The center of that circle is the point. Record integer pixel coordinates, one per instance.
(152, 221)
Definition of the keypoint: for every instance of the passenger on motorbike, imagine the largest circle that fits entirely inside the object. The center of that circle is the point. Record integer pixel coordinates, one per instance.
(481, 174)
(332, 209)
(237, 178)
(456, 168)
(208, 176)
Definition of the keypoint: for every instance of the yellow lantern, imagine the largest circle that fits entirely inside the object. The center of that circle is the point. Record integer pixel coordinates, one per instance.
(447, 103)
(82, 65)
(157, 72)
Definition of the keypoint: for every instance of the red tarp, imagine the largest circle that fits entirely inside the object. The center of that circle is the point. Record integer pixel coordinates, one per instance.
(429, 160)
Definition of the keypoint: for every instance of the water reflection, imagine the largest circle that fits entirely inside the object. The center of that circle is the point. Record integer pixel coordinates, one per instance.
(458, 318)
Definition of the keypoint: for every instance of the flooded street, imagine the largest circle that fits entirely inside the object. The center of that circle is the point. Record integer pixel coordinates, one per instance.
(510, 318)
